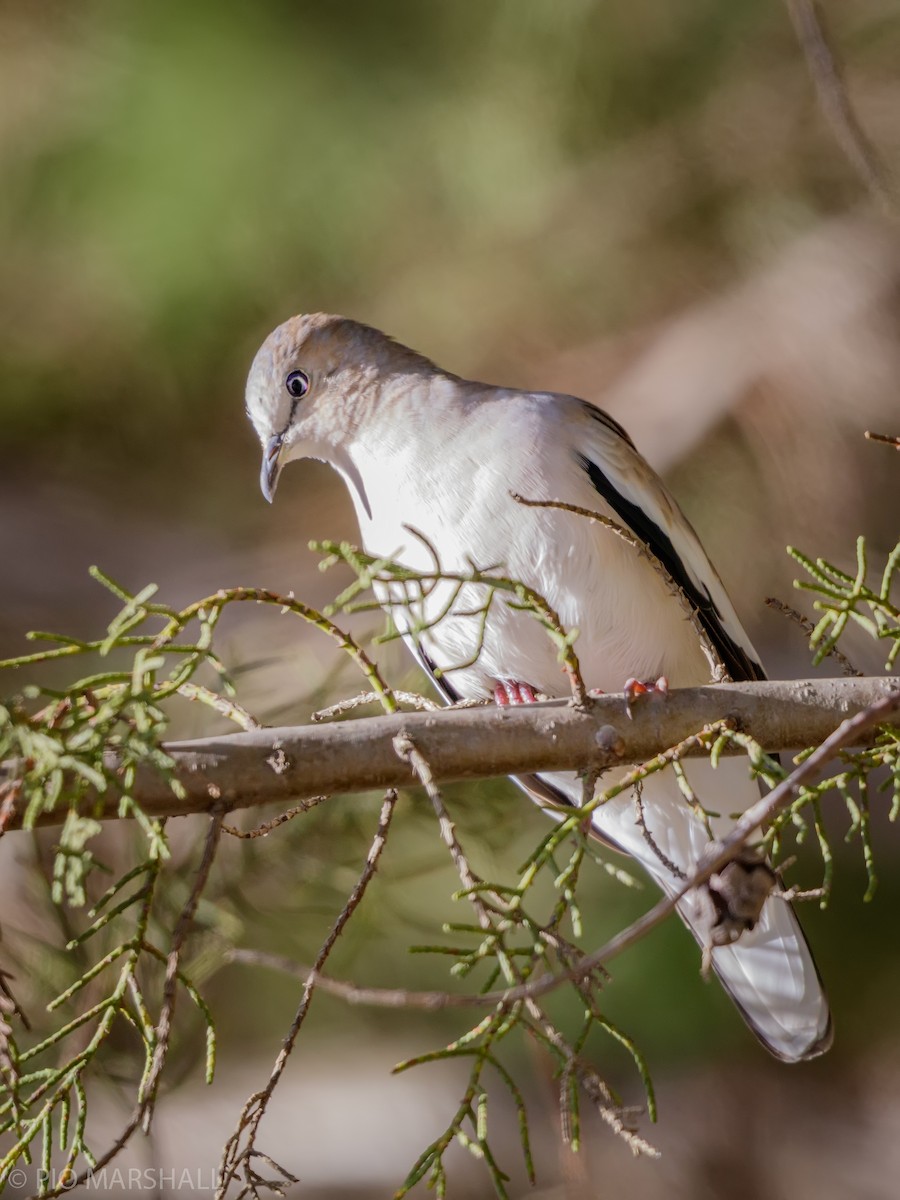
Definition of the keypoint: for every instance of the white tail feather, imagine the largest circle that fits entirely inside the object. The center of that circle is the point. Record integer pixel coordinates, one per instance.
(769, 972)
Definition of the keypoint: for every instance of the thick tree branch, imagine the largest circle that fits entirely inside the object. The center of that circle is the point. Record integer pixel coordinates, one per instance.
(718, 855)
(288, 765)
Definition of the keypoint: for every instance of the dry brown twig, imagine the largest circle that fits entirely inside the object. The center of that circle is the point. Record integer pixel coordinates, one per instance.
(237, 1158)
(808, 627)
(834, 101)
(264, 829)
(412, 699)
(886, 439)
(648, 837)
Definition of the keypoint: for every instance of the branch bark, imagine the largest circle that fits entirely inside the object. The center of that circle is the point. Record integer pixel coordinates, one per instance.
(289, 765)
(718, 854)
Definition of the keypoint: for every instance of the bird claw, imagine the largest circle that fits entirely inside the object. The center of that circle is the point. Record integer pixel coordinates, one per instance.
(510, 691)
(644, 687)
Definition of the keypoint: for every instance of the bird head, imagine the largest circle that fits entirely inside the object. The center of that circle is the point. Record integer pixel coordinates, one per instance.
(314, 382)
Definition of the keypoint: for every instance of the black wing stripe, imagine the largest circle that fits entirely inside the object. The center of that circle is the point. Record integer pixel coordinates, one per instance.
(599, 414)
(738, 663)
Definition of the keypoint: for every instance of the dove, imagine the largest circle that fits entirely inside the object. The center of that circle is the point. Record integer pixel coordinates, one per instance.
(437, 467)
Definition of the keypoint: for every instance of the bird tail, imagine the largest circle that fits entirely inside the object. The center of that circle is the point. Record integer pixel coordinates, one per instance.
(769, 972)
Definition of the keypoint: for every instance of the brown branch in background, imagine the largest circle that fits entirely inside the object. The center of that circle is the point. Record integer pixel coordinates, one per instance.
(350, 993)
(835, 103)
(808, 627)
(236, 1158)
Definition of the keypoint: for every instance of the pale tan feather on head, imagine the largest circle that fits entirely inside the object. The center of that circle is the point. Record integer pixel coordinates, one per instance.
(331, 350)
(318, 376)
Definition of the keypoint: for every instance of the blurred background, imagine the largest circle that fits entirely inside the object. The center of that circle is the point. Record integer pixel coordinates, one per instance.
(638, 202)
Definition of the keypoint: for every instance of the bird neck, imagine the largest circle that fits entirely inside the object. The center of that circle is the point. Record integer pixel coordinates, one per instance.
(395, 450)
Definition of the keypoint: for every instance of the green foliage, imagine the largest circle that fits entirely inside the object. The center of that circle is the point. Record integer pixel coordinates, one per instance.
(840, 599)
(409, 592)
(449, 171)
(509, 944)
(69, 746)
(843, 598)
(65, 748)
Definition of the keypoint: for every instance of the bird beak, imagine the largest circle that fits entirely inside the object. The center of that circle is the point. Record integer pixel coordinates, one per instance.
(268, 475)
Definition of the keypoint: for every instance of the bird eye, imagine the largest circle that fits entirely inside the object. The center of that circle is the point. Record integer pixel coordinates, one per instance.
(297, 384)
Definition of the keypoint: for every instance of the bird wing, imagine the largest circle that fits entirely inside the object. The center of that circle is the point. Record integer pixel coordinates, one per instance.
(641, 502)
(770, 972)
(644, 506)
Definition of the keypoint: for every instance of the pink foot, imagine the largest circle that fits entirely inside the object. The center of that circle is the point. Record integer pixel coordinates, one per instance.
(644, 687)
(508, 691)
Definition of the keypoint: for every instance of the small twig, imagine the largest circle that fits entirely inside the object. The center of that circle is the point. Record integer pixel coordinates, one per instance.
(254, 1110)
(835, 102)
(352, 994)
(808, 628)
(596, 1089)
(412, 699)
(222, 704)
(267, 826)
(407, 750)
(648, 836)
(886, 438)
(797, 894)
(173, 960)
